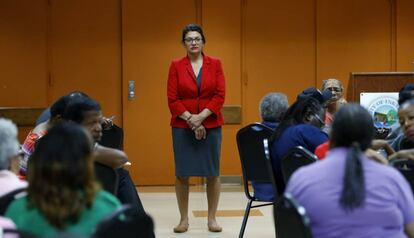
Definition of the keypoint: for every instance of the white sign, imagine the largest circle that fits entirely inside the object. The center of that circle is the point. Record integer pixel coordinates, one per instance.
(382, 106)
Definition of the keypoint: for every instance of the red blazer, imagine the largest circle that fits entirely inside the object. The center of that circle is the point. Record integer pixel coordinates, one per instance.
(183, 94)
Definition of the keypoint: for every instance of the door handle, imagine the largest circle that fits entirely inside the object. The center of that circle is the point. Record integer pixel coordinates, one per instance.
(131, 90)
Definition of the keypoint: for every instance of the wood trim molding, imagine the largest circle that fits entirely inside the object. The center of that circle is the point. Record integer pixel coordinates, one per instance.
(231, 114)
(21, 116)
(381, 73)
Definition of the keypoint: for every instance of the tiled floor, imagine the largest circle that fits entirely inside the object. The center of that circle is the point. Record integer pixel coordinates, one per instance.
(161, 204)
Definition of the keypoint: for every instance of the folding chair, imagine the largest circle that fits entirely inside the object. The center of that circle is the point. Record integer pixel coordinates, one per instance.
(13, 232)
(6, 199)
(126, 223)
(406, 168)
(291, 219)
(295, 158)
(255, 166)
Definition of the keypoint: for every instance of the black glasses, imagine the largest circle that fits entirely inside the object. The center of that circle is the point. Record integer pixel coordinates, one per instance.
(189, 40)
(334, 89)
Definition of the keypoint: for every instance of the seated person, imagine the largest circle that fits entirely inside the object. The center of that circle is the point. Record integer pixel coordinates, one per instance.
(301, 126)
(348, 195)
(9, 159)
(372, 153)
(323, 97)
(47, 114)
(272, 108)
(56, 111)
(87, 112)
(62, 194)
(404, 143)
(321, 150)
(337, 100)
(406, 93)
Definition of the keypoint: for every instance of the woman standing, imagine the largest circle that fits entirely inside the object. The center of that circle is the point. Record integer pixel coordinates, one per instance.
(195, 97)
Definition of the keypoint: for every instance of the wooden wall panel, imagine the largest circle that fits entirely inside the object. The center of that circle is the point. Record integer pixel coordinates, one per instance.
(23, 61)
(267, 45)
(85, 51)
(279, 53)
(405, 35)
(151, 39)
(352, 36)
(222, 27)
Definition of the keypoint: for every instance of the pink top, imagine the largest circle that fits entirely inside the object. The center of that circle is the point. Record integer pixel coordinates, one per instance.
(6, 223)
(10, 182)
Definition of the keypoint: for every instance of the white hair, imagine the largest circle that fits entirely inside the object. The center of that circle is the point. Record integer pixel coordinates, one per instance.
(332, 80)
(9, 145)
(273, 106)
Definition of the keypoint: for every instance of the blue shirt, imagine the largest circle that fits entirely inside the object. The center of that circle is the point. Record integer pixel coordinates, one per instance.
(305, 135)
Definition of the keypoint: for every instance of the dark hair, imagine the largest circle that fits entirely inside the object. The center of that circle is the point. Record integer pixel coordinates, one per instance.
(76, 109)
(352, 127)
(321, 96)
(61, 178)
(59, 106)
(192, 27)
(296, 114)
(405, 93)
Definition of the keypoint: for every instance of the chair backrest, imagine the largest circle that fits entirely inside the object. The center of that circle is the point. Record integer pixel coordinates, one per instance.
(113, 137)
(125, 222)
(13, 232)
(108, 177)
(252, 154)
(6, 199)
(406, 168)
(291, 219)
(295, 158)
(276, 191)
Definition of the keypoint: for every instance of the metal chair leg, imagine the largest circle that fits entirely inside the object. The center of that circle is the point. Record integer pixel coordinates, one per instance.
(246, 216)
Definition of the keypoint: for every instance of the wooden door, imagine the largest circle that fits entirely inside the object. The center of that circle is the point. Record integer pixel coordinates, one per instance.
(85, 51)
(23, 57)
(222, 28)
(151, 39)
(353, 36)
(278, 50)
(404, 35)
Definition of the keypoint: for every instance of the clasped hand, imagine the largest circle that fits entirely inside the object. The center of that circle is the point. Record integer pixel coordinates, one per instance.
(194, 122)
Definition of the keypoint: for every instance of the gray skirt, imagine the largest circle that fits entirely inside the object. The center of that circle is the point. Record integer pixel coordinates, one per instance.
(196, 157)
